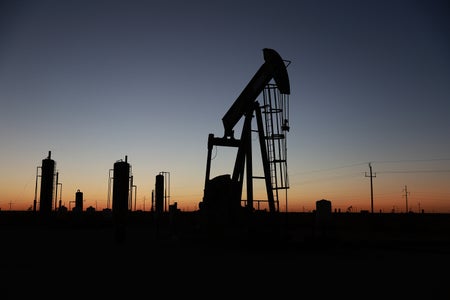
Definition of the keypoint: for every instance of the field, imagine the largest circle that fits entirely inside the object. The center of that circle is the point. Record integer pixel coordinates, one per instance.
(354, 255)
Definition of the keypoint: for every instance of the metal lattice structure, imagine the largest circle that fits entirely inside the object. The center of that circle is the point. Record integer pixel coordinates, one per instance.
(275, 110)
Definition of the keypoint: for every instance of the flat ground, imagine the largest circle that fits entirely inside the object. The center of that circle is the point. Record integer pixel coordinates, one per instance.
(360, 256)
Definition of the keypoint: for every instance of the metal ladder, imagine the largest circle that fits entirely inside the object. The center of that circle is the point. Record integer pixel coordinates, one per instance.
(276, 111)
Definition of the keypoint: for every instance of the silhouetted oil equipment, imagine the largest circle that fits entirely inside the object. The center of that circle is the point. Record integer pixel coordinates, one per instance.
(121, 197)
(323, 210)
(159, 193)
(223, 194)
(162, 192)
(323, 217)
(58, 184)
(47, 185)
(78, 201)
(121, 187)
(36, 188)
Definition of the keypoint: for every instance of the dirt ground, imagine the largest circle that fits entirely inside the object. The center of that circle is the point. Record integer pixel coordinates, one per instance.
(357, 257)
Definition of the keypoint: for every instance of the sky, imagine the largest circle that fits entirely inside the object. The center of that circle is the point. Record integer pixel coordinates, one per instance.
(97, 81)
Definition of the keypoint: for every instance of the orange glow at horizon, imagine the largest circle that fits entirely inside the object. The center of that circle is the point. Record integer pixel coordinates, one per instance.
(390, 194)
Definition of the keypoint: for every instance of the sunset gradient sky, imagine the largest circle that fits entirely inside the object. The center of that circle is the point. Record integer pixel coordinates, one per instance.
(95, 81)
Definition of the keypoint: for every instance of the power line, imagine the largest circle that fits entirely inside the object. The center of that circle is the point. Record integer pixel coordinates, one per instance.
(416, 171)
(411, 160)
(329, 169)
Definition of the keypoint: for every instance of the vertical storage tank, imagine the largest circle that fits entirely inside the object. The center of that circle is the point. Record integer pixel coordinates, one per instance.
(159, 193)
(47, 184)
(79, 201)
(121, 186)
(323, 215)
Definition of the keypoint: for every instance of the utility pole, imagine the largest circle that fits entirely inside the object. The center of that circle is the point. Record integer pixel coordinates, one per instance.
(406, 197)
(371, 175)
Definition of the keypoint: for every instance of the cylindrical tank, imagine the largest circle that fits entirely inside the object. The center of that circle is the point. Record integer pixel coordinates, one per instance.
(323, 212)
(323, 207)
(121, 184)
(79, 201)
(47, 184)
(159, 193)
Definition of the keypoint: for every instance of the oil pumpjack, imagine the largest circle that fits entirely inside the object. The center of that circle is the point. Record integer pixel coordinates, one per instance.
(222, 197)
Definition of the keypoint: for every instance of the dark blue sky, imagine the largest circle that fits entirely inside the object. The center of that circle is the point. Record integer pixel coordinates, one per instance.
(93, 81)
